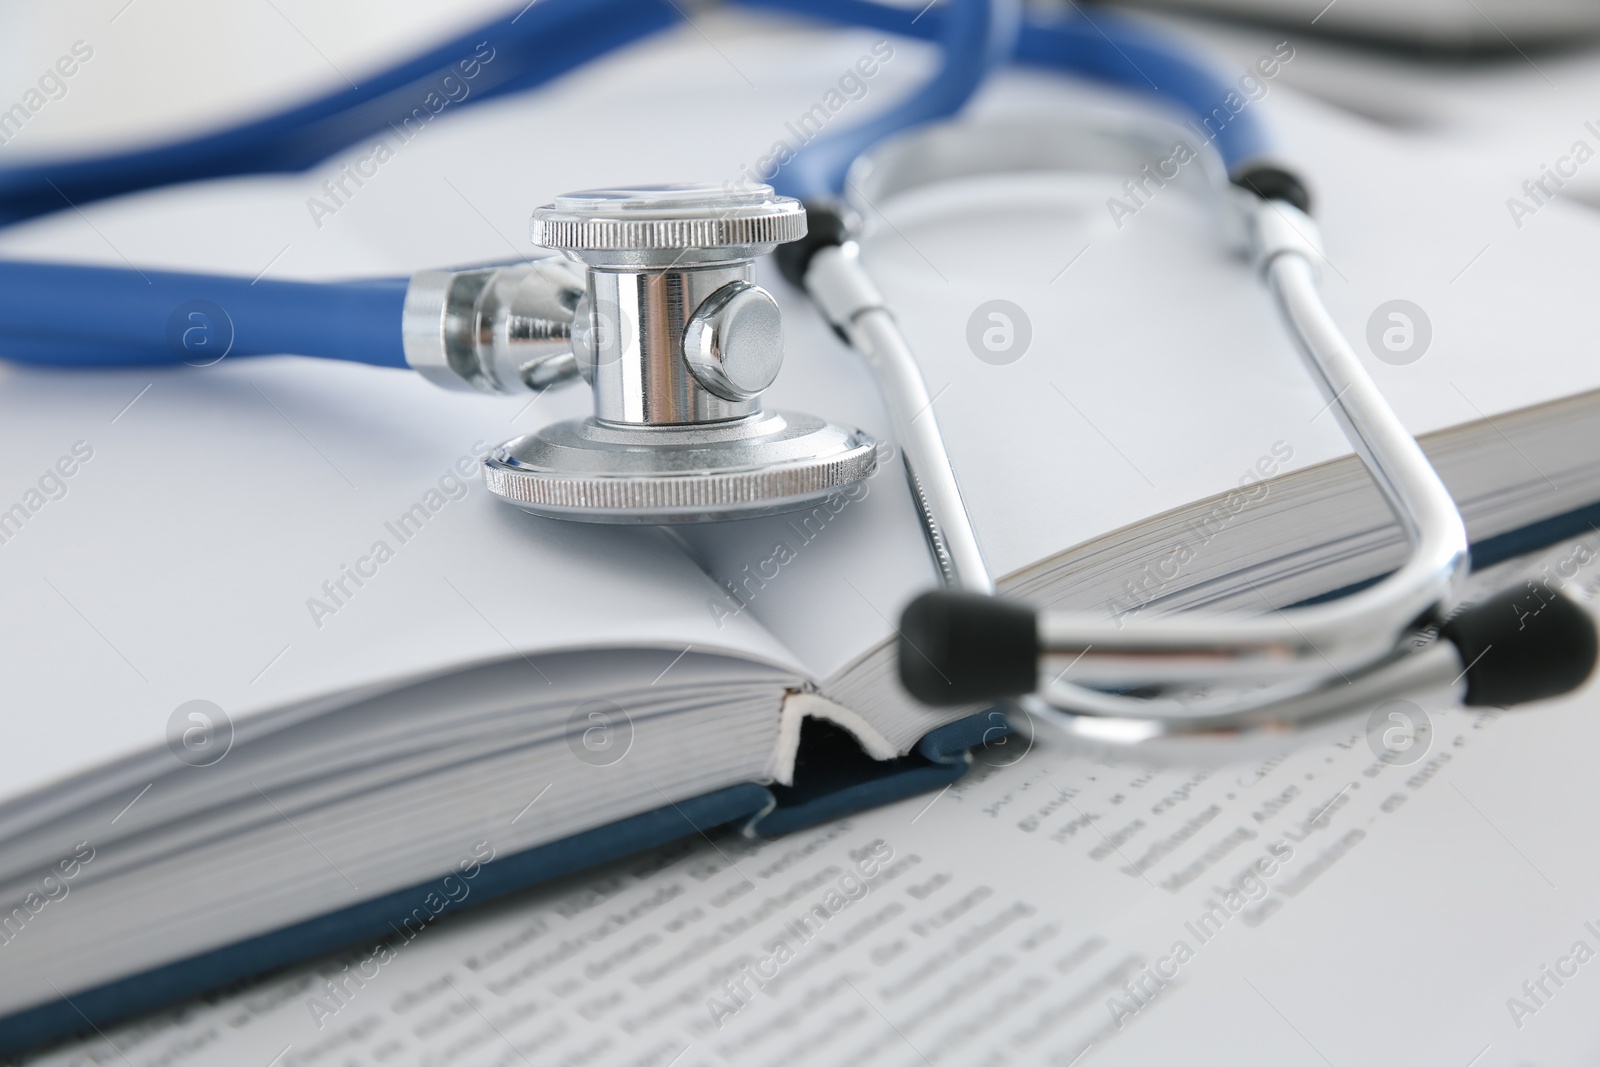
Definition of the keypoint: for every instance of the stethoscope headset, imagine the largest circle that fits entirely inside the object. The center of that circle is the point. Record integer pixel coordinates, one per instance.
(654, 305)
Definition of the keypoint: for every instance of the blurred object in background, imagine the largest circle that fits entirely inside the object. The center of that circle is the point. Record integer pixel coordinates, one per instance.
(1464, 27)
(1511, 81)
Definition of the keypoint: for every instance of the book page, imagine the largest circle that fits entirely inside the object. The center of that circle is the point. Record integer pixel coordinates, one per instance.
(266, 532)
(1407, 891)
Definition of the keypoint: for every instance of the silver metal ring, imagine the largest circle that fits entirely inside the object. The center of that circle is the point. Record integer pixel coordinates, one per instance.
(598, 472)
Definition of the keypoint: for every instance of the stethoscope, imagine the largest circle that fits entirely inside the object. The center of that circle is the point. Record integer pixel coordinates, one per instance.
(653, 304)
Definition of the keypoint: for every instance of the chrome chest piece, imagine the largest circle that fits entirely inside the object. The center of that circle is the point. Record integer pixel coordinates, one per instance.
(677, 342)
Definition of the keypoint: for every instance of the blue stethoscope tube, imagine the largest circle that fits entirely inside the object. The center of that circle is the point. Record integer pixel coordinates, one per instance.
(105, 317)
(99, 316)
(1105, 47)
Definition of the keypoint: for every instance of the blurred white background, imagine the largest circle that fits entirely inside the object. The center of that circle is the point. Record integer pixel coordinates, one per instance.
(166, 68)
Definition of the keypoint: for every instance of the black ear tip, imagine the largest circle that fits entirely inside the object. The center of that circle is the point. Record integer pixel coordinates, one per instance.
(826, 226)
(964, 648)
(1524, 644)
(1274, 183)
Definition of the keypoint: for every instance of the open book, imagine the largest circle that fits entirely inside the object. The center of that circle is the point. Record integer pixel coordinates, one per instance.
(273, 656)
(1047, 907)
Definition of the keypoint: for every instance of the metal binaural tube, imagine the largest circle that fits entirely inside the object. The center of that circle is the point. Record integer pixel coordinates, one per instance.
(1341, 635)
(847, 296)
